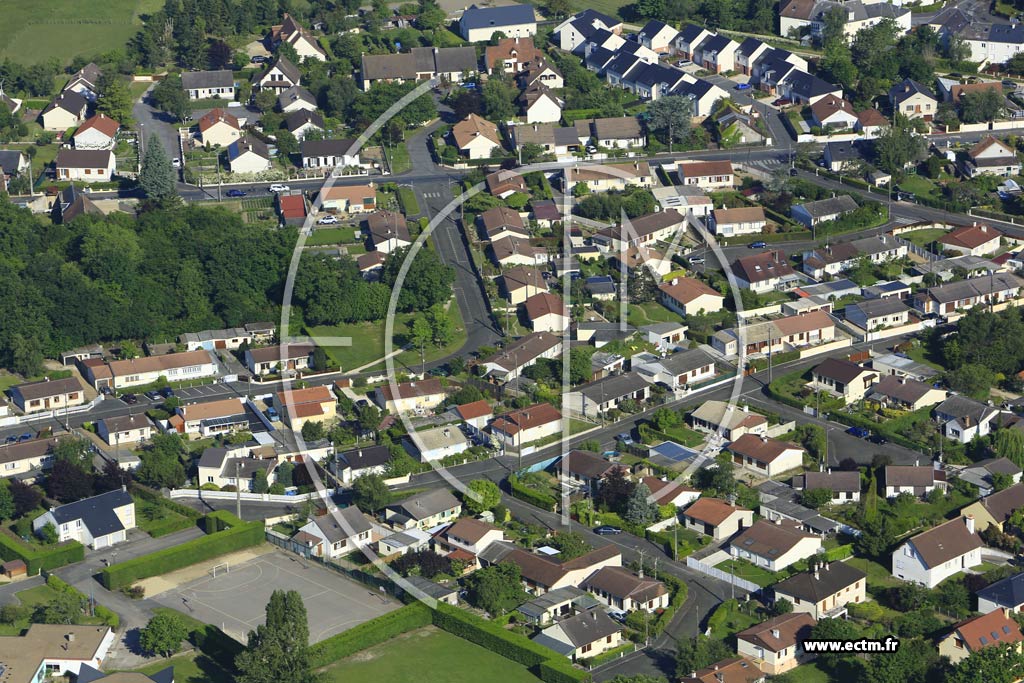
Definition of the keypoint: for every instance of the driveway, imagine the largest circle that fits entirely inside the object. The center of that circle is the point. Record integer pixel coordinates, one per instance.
(151, 121)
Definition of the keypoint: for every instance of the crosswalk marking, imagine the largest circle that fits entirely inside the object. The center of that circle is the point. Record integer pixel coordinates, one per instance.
(905, 220)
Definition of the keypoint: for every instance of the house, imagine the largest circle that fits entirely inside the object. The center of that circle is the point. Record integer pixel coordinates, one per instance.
(312, 404)
(410, 540)
(209, 85)
(349, 199)
(664, 336)
(429, 445)
(361, 461)
(49, 394)
(470, 535)
(953, 91)
(703, 95)
(734, 670)
(993, 43)
(766, 271)
(716, 518)
(61, 649)
(962, 418)
(657, 36)
(387, 231)
(871, 122)
(501, 221)
(996, 508)
(526, 425)
(842, 379)
(833, 113)
(666, 492)
(329, 153)
(707, 175)
(769, 457)
(877, 314)
(503, 184)
(26, 459)
(894, 289)
(991, 157)
(586, 468)
(1005, 594)
(98, 522)
(944, 300)
(85, 82)
(620, 132)
(509, 251)
(981, 474)
(542, 72)
(717, 53)
(230, 339)
(540, 105)
(597, 398)
(334, 534)
(660, 226)
(129, 429)
(825, 591)
(585, 635)
(13, 163)
(292, 33)
(679, 370)
(508, 363)
(219, 128)
(845, 486)
(623, 590)
(776, 645)
(687, 296)
(805, 89)
(815, 213)
(747, 220)
(479, 24)
(608, 176)
(134, 372)
(237, 466)
(476, 137)
(424, 510)
(545, 312)
(555, 604)
(279, 76)
(302, 122)
(995, 628)
(210, 419)
(841, 156)
(778, 335)
(85, 165)
(905, 394)
(511, 55)
(774, 545)
(248, 154)
(748, 53)
(973, 240)
(476, 414)
(730, 420)
(269, 359)
(542, 574)
(97, 132)
(913, 100)
(420, 63)
(67, 110)
(520, 283)
(415, 396)
(934, 555)
(576, 31)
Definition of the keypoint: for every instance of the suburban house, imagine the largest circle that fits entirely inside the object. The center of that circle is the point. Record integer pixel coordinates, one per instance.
(716, 518)
(748, 220)
(871, 123)
(778, 335)
(620, 132)
(325, 537)
(576, 31)
(990, 42)
(657, 36)
(302, 122)
(833, 113)
(963, 418)
(972, 240)
(134, 372)
(476, 414)
(669, 492)
(774, 545)
(687, 296)
(420, 63)
(49, 394)
(508, 363)
(469, 535)
(237, 466)
(387, 230)
(845, 486)
(825, 591)
(97, 132)
(24, 459)
(424, 510)
(765, 272)
(586, 634)
(503, 184)
(511, 55)
(597, 398)
(679, 370)
(995, 628)
(479, 24)
(12, 163)
(292, 33)
(1006, 594)
(127, 429)
(991, 157)
(98, 522)
(349, 199)
(510, 251)
(542, 573)
(842, 379)
(717, 53)
(934, 555)
(707, 175)
(209, 419)
(296, 407)
(777, 644)
(248, 154)
(520, 283)
(501, 221)
(558, 603)
(584, 467)
(608, 176)
(271, 359)
(842, 157)
(526, 425)
(545, 312)
(329, 153)
(982, 474)
(958, 296)
(766, 456)
(218, 128)
(660, 226)
(733, 421)
(360, 461)
(540, 105)
(814, 213)
(279, 76)
(905, 394)
(476, 137)
(85, 165)
(428, 445)
(415, 396)
(61, 649)
(913, 100)
(996, 508)
(875, 314)
(85, 82)
(625, 591)
(209, 85)
(409, 540)
(733, 670)
(665, 336)
(67, 110)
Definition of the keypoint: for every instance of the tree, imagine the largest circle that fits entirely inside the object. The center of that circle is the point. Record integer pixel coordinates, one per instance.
(156, 177)
(972, 379)
(996, 663)
(420, 336)
(488, 492)
(75, 451)
(834, 28)
(219, 55)
(815, 498)
(697, 653)
(49, 534)
(163, 634)
(68, 482)
(26, 498)
(285, 472)
(1010, 444)
(115, 101)
(898, 145)
(570, 544)
(498, 98)
(442, 328)
(319, 359)
(278, 651)
(259, 482)
(579, 364)
(640, 510)
(7, 506)
(370, 493)
(670, 115)
(314, 430)
(833, 629)
(495, 589)
(665, 418)
(782, 606)
(614, 491)
(162, 462)
(65, 608)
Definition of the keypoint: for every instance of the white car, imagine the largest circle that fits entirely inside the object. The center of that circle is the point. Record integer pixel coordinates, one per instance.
(328, 220)
(277, 187)
(176, 162)
(591, 149)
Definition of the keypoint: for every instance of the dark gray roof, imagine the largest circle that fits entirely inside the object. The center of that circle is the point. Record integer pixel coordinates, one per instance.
(961, 407)
(842, 151)
(434, 590)
(69, 100)
(1007, 33)
(749, 46)
(296, 92)
(83, 158)
(974, 287)
(590, 15)
(326, 148)
(907, 88)
(805, 85)
(122, 423)
(248, 143)
(371, 456)
(284, 65)
(427, 504)
(200, 80)
(588, 627)
(599, 58)
(301, 117)
(351, 517)
(690, 32)
(715, 43)
(1007, 593)
(613, 387)
(830, 206)
(684, 361)
(455, 59)
(496, 552)
(827, 581)
(485, 17)
(9, 160)
(45, 388)
(875, 307)
(96, 513)
(838, 369)
(213, 457)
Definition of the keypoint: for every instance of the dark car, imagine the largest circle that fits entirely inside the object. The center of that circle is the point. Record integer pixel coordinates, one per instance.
(167, 392)
(27, 436)
(11, 439)
(878, 438)
(153, 394)
(757, 245)
(793, 171)
(606, 530)
(859, 432)
(235, 193)
(130, 399)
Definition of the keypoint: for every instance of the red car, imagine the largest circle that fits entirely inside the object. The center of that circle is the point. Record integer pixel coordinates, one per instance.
(782, 102)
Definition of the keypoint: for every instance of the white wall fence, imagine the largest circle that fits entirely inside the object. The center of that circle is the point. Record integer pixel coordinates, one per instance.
(664, 524)
(193, 494)
(717, 573)
(47, 414)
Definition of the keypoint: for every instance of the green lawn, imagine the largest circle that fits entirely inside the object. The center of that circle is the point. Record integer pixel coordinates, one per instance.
(919, 185)
(745, 570)
(923, 238)
(398, 157)
(650, 312)
(158, 520)
(62, 29)
(40, 595)
(878, 575)
(921, 355)
(685, 436)
(728, 619)
(7, 381)
(426, 656)
(810, 673)
(322, 236)
(190, 668)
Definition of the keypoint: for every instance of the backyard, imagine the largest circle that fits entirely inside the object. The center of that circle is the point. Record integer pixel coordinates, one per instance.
(751, 572)
(923, 238)
(650, 312)
(190, 668)
(325, 236)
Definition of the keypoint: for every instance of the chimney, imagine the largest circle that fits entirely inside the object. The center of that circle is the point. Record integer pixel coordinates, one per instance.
(124, 489)
(71, 637)
(675, 281)
(778, 522)
(1007, 613)
(593, 614)
(640, 572)
(969, 521)
(764, 438)
(817, 575)
(746, 408)
(775, 633)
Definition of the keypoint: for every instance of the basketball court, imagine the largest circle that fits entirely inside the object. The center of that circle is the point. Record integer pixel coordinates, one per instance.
(234, 596)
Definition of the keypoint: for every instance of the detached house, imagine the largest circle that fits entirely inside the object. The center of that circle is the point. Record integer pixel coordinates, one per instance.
(540, 105)
(511, 55)
(428, 445)
(387, 231)
(814, 213)
(66, 111)
(173, 367)
(934, 555)
(524, 426)
(300, 123)
(769, 457)
(842, 379)
(97, 132)
(824, 592)
(833, 113)
(902, 393)
(845, 486)
(87, 166)
(607, 394)
(707, 175)
(279, 76)
(765, 272)
(546, 312)
(329, 154)
(995, 509)
(218, 128)
(669, 492)
(962, 418)
(424, 510)
(98, 522)
(520, 283)
(476, 137)
(716, 518)
(414, 396)
(748, 220)
(312, 404)
(127, 429)
(51, 394)
(679, 370)
(913, 100)
(733, 670)
(949, 299)
(871, 315)
(349, 199)
(209, 85)
(777, 644)
(687, 296)
(360, 461)
(326, 537)
(731, 420)
(268, 359)
(774, 545)
(508, 363)
(586, 468)
(623, 590)
(991, 157)
(479, 24)
(205, 420)
(621, 132)
(994, 629)
(292, 33)
(1006, 594)
(973, 240)
(587, 634)
(248, 154)
(85, 82)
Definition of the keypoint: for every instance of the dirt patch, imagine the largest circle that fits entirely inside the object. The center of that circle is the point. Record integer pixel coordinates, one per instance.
(161, 584)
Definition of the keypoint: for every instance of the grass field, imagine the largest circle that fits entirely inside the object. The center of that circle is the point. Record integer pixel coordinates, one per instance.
(190, 668)
(751, 572)
(426, 656)
(62, 29)
(923, 238)
(324, 236)
(650, 312)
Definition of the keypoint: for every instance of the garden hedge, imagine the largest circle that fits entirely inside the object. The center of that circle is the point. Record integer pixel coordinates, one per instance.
(532, 497)
(47, 558)
(370, 633)
(235, 535)
(559, 670)
(154, 497)
(109, 616)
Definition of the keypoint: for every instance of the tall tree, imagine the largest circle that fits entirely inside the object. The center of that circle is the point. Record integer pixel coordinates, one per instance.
(370, 493)
(157, 176)
(898, 145)
(670, 115)
(163, 634)
(488, 492)
(997, 663)
(696, 653)
(278, 650)
(639, 510)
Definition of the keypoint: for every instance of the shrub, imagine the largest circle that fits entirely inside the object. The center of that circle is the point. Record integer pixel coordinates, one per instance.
(541, 500)
(489, 635)
(36, 560)
(370, 633)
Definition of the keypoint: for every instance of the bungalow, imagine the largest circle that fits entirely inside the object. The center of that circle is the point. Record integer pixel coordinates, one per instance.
(370, 264)
(833, 113)
(64, 650)
(660, 226)
(209, 85)
(996, 508)
(97, 132)
(777, 336)
(657, 36)
(950, 298)
(716, 518)
(388, 231)
(664, 336)
(429, 445)
(349, 198)
(511, 55)
(292, 33)
(586, 468)
(66, 111)
(991, 157)
(218, 128)
(934, 555)
(526, 425)
(765, 272)
(905, 394)
(814, 213)
(302, 122)
(296, 98)
(420, 63)
(334, 534)
(508, 363)
(916, 480)
(555, 604)
(545, 312)
(299, 406)
(667, 492)
(476, 137)
(248, 154)
(542, 574)
(563, 142)
(962, 418)
(130, 429)
(623, 590)
(894, 289)
(765, 456)
(206, 420)
(748, 220)
(469, 535)
(774, 545)
(415, 396)
(173, 367)
(842, 379)
(679, 370)
(98, 522)
(776, 645)
(876, 314)
(587, 634)
(1006, 594)
(49, 394)
(842, 157)
(871, 122)
(330, 153)
(687, 296)
(994, 629)
(479, 24)
(25, 459)
(607, 176)
(279, 76)
(729, 420)
(410, 540)
(597, 398)
(520, 283)
(501, 221)
(87, 166)
(913, 100)
(707, 175)
(845, 486)
(982, 474)
(824, 592)
(362, 461)
(424, 510)
(621, 132)
(733, 670)
(973, 240)
(502, 184)
(269, 359)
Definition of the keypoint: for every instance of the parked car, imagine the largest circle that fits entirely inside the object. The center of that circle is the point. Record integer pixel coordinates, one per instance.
(591, 149)
(130, 399)
(27, 436)
(696, 260)
(1009, 83)
(11, 439)
(783, 102)
(258, 59)
(153, 394)
(278, 187)
(684, 62)
(743, 86)
(328, 220)
(757, 245)
(235, 193)
(625, 438)
(606, 530)
(271, 414)
(167, 392)
(878, 438)
(859, 432)
(793, 171)
(176, 162)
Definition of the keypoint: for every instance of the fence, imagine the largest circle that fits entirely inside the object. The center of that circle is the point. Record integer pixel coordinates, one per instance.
(376, 582)
(918, 251)
(231, 495)
(717, 573)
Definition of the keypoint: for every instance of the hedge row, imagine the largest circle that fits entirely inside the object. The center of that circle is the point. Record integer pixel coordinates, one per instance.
(68, 552)
(109, 616)
(678, 590)
(154, 497)
(839, 553)
(560, 670)
(784, 398)
(370, 633)
(858, 421)
(541, 500)
(777, 359)
(235, 536)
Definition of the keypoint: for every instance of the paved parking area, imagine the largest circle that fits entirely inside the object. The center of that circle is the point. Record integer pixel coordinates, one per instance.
(199, 391)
